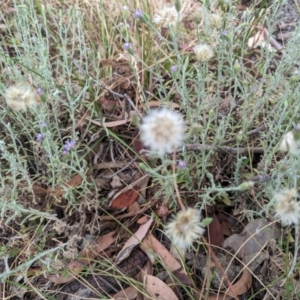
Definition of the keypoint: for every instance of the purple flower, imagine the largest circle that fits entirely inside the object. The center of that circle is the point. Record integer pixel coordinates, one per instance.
(69, 144)
(174, 68)
(224, 32)
(39, 137)
(126, 46)
(43, 124)
(138, 13)
(39, 91)
(181, 164)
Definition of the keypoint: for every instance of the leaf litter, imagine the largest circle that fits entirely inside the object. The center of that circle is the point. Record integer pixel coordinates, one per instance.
(135, 193)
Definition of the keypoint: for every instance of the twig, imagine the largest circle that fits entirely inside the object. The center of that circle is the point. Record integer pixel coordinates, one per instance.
(113, 165)
(246, 150)
(121, 170)
(129, 214)
(251, 132)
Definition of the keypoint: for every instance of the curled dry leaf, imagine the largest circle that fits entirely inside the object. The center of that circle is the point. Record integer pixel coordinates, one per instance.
(133, 241)
(259, 39)
(239, 288)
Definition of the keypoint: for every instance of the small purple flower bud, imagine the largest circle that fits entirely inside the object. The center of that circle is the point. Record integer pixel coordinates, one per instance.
(64, 153)
(39, 137)
(224, 32)
(69, 144)
(174, 68)
(126, 46)
(39, 91)
(138, 14)
(43, 124)
(181, 164)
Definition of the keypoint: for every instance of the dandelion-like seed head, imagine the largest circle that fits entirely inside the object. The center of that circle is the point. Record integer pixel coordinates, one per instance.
(185, 228)
(286, 207)
(167, 16)
(203, 52)
(162, 131)
(20, 97)
(215, 20)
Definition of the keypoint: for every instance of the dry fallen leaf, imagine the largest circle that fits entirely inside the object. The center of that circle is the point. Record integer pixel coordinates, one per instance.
(248, 245)
(239, 288)
(151, 245)
(157, 289)
(133, 241)
(215, 233)
(124, 199)
(150, 242)
(130, 193)
(75, 181)
(127, 293)
(259, 39)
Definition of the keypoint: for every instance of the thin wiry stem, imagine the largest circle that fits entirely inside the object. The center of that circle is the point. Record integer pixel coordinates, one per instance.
(297, 247)
(179, 201)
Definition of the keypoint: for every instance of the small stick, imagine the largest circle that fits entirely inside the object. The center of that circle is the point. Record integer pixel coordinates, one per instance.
(246, 150)
(129, 214)
(251, 132)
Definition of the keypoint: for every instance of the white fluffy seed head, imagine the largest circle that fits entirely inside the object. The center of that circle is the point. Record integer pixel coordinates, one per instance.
(21, 97)
(167, 16)
(185, 228)
(162, 130)
(203, 52)
(288, 143)
(286, 207)
(215, 20)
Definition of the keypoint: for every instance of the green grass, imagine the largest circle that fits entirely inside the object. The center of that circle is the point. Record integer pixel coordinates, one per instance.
(72, 52)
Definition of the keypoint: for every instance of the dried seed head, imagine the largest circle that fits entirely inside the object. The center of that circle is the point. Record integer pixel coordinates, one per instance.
(167, 16)
(215, 20)
(162, 130)
(21, 97)
(286, 207)
(203, 52)
(185, 228)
